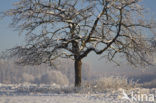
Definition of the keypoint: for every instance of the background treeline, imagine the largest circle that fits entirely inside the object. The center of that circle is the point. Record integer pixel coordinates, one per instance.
(11, 73)
(63, 74)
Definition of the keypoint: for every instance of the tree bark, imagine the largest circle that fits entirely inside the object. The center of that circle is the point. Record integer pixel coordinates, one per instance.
(78, 67)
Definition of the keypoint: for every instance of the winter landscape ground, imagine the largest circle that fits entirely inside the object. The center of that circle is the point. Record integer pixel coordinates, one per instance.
(62, 98)
(31, 93)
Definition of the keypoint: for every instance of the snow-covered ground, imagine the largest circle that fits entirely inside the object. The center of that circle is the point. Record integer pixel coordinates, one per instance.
(53, 94)
(62, 98)
(66, 98)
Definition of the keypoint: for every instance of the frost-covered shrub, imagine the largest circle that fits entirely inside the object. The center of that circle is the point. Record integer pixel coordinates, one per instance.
(105, 83)
(113, 83)
(54, 77)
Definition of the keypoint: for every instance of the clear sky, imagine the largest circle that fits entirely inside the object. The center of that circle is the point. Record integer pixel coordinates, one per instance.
(10, 38)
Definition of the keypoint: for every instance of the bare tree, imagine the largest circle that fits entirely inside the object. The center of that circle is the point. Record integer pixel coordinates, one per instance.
(74, 28)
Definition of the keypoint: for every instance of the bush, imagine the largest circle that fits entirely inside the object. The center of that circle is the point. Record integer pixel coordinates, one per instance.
(54, 77)
(106, 83)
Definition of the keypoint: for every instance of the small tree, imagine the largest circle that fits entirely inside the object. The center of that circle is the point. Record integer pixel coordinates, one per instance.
(74, 28)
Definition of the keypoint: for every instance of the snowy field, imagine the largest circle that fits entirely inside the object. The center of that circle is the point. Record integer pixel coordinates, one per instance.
(54, 94)
(66, 98)
(62, 98)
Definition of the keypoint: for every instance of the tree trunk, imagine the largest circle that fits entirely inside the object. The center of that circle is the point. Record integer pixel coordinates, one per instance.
(78, 66)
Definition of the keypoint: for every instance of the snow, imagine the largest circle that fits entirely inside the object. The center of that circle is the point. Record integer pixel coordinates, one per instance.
(61, 98)
(54, 94)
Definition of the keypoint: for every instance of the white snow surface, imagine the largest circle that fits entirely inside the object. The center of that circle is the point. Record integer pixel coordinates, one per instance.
(18, 94)
(61, 98)
(65, 98)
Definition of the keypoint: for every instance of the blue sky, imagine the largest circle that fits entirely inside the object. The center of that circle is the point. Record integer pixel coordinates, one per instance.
(10, 38)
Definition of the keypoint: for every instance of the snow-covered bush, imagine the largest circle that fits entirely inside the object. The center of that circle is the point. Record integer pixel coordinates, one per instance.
(114, 83)
(54, 77)
(106, 83)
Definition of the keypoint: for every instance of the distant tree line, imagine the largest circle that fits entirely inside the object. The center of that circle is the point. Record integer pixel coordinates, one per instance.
(63, 75)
